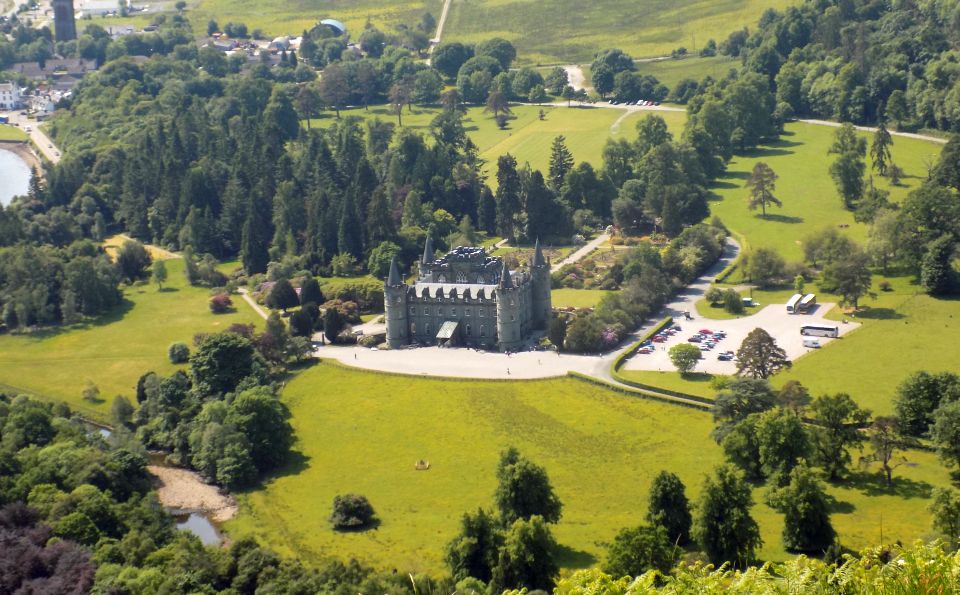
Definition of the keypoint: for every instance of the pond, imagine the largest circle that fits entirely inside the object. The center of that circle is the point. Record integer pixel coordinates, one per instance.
(14, 176)
(199, 525)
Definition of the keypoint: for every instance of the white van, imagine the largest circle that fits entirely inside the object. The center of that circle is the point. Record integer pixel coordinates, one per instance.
(815, 343)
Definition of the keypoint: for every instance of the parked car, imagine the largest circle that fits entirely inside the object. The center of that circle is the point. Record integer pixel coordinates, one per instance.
(695, 339)
(706, 331)
(724, 357)
(659, 339)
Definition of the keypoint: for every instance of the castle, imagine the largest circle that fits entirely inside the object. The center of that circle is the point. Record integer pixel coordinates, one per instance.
(468, 298)
(64, 23)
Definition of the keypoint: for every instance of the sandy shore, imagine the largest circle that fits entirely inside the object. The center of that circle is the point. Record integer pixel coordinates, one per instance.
(24, 151)
(179, 488)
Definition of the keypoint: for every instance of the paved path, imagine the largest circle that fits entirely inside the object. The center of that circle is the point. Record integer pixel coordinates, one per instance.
(933, 139)
(582, 252)
(253, 303)
(443, 21)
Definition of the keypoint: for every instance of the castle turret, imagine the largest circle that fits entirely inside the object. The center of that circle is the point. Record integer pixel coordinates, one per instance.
(428, 254)
(542, 303)
(64, 21)
(395, 307)
(509, 320)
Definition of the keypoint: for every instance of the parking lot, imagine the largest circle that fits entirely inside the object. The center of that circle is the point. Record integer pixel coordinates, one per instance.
(727, 336)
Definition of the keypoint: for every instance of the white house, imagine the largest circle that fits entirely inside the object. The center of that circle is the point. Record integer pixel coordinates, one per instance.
(9, 96)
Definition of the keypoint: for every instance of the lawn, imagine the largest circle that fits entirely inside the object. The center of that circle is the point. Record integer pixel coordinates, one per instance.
(12, 133)
(527, 137)
(697, 383)
(114, 350)
(577, 298)
(362, 432)
(670, 72)
(291, 17)
(810, 199)
(564, 31)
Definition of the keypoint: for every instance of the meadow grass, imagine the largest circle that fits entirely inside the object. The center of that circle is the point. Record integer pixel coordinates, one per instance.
(292, 17)
(810, 199)
(564, 31)
(696, 383)
(113, 350)
(527, 137)
(577, 298)
(671, 72)
(12, 133)
(362, 432)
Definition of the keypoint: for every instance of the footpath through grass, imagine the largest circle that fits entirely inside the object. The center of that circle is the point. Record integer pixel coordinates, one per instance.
(113, 350)
(362, 432)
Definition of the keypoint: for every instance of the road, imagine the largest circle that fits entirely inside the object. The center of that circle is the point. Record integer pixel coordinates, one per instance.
(933, 139)
(581, 252)
(40, 140)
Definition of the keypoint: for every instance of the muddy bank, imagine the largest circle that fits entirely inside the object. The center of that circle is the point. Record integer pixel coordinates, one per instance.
(185, 490)
(23, 150)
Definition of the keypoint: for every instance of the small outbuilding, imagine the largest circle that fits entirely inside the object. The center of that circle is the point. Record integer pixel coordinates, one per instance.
(334, 25)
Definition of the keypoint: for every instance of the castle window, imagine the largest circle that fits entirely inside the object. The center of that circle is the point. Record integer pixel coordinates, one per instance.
(442, 279)
(482, 313)
(512, 303)
(483, 330)
(453, 311)
(461, 277)
(413, 328)
(467, 311)
(469, 334)
(427, 329)
(413, 310)
(426, 311)
(480, 279)
(513, 318)
(398, 301)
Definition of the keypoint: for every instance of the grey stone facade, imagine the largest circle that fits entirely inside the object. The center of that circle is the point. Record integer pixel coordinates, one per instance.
(468, 298)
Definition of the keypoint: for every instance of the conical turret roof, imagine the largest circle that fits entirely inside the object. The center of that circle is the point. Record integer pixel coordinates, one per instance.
(394, 279)
(505, 281)
(538, 259)
(428, 255)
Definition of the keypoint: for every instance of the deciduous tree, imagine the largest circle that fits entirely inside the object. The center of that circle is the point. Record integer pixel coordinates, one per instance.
(724, 528)
(637, 550)
(684, 357)
(759, 356)
(806, 510)
(524, 490)
(837, 432)
(669, 508)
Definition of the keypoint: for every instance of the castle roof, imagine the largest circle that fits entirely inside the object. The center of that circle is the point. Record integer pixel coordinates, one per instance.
(428, 253)
(538, 259)
(426, 289)
(394, 279)
(505, 280)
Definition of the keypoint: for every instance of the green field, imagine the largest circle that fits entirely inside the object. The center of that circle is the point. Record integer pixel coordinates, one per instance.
(810, 199)
(12, 133)
(697, 384)
(113, 350)
(291, 17)
(527, 137)
(564, 31)
(670, 72)
(362, 432)
(577, 298)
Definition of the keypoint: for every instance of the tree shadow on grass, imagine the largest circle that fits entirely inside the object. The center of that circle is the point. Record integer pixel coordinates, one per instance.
(567, 557)
(116, 314)
(874, 484)
(836, 506)
(168, 290)
(722, 185)
(879, 314)
(780, 218)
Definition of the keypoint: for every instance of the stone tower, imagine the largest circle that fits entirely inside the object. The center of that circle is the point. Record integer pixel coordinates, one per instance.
(64, 23)
(542, 304)
(509, 323)
(395, 307)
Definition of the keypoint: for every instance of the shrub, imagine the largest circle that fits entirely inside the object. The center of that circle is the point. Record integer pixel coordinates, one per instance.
(732, 302)
(352, 512)
(885, 285)
(178, 353)
(220, 303)
(714, 296)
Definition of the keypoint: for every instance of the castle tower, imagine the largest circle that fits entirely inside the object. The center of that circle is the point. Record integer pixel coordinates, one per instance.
(395, 306)
(542, 303)
(509, 322)
(64, 23)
